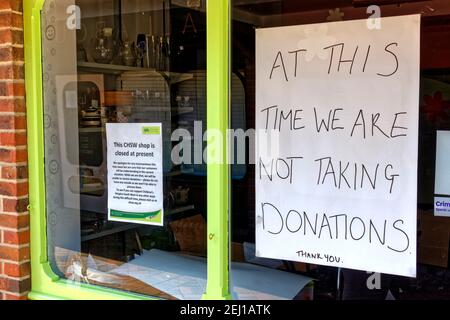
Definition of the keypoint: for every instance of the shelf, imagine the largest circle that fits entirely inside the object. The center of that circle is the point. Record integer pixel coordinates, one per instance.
(107, 232)
(184, 110)
(132, 72)
(180, 209)
(175, 77)
(178, 173)
(142, 114)
(110, 68)
(91, 130)
(162, 109)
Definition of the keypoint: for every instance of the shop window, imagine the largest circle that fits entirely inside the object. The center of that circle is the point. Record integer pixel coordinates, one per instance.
(292, 278)
(123, 83)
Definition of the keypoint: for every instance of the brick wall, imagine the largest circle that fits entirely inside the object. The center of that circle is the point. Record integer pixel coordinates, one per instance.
(14, 218)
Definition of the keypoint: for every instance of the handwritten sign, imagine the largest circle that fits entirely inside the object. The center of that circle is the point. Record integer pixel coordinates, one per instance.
(337, 138)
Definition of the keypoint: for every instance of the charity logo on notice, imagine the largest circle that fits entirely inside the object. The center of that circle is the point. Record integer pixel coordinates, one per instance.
(442, 206)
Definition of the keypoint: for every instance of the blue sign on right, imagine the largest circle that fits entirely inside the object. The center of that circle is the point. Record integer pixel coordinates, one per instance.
(442, 206)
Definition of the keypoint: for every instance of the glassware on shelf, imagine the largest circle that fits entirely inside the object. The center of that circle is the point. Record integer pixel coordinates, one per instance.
(104, 47)
(152, 62)
(128, 55)
(167, 53)
(162, 49)
(148, 51)
(81, 53)
(157, 53)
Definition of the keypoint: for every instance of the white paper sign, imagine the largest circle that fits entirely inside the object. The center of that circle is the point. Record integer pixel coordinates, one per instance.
(442, 206)
(135, 173)
(337, 139)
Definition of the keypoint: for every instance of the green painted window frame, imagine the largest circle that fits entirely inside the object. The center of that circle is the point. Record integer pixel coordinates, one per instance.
(45, 284)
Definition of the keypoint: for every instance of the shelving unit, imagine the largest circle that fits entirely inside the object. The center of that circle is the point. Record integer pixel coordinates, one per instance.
(171, 77)
(124, 80)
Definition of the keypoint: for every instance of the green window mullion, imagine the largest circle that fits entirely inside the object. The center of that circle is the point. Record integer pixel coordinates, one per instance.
(217, 77)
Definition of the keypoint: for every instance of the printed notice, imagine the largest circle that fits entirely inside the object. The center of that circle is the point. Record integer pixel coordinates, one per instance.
(442, 175)
(442, 206)
(337, 109)
(135, 173)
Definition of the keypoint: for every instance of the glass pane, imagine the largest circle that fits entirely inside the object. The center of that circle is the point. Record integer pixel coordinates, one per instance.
(274, 273)
(124, 86)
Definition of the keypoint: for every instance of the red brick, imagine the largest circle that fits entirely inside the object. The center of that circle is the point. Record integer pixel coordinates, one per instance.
(20, 122)
(11, 19)
(13, 189)
(12, 71)
(11, 269)
(13, 155)
(14, 254)
(15, 286)
(7, 155)
(11, 36)
(7, 296)
(11, 53)
(12, 89)
(17, 20)
(12, 105)
(6, 36)
(13, 138)
(5, 19)
(18, 53)
(5, 89)
(15, 5)
(8, 188)
(14, 172)
(16, 270)
(14, 221)
(21, 155)
(6, 54)
(19, 238)
(15, 205)
(18, 89)
(12, 122)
